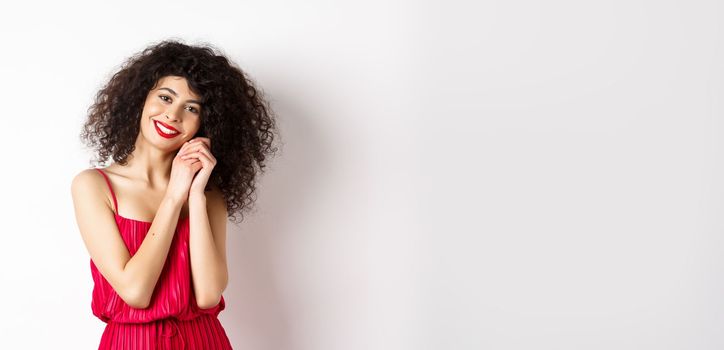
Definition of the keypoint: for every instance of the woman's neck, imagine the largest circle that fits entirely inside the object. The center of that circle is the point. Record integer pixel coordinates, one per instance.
(150, 164)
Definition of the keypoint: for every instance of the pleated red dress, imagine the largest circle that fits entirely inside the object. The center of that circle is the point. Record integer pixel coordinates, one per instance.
(172, 320)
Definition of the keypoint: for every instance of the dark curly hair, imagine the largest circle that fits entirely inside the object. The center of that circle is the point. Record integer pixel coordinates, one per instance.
(236, 116)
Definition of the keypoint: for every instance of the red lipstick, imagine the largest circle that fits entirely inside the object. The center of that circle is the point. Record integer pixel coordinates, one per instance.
(163, 134)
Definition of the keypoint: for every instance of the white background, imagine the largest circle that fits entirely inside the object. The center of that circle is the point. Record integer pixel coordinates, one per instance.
(454, 175)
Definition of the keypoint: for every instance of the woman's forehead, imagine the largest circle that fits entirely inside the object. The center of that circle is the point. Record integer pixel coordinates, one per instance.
(177, 84)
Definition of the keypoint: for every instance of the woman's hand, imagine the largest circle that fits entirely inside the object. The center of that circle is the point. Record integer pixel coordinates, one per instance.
(182, 174)
(199, 150)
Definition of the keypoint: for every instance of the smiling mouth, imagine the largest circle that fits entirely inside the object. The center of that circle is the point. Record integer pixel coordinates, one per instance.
(165, 130)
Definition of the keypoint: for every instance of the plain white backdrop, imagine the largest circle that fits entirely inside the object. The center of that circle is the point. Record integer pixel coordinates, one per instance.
(453, 176)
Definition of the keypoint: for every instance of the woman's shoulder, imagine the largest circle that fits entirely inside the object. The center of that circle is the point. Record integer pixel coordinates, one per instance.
(89, 189)
(88, 179)
(215, 199)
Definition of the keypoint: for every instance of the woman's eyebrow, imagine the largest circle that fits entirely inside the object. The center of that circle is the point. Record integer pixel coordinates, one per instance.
(175, 94)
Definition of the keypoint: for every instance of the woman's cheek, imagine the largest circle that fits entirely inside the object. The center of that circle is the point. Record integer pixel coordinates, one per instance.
(154, 109)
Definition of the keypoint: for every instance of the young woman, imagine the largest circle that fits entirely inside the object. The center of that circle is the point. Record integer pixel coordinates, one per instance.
(187, 132)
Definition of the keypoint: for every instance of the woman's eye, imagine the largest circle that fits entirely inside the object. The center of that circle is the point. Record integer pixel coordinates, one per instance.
(164, 97)
(193, 110)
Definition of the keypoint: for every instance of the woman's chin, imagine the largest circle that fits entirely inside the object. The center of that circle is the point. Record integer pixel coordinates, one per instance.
(164, 144)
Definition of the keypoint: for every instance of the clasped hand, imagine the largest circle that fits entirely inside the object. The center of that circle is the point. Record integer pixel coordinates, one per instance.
(191, 168)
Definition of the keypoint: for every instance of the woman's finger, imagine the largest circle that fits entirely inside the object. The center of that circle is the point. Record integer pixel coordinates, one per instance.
(198, 154)
(204, 140)
(198, 148)
(205, 159)
(207, 153)
(201, 163)
(192, 147)
(183, 148)
(197, 166)
(188, 160)
(190, 163)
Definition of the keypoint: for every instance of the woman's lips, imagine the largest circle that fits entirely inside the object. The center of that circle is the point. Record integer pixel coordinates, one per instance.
(168, 127)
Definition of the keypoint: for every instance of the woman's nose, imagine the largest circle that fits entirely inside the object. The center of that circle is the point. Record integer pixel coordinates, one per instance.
(171, 118)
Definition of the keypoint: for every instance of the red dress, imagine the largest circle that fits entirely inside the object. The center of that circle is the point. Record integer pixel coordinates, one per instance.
(172, 320)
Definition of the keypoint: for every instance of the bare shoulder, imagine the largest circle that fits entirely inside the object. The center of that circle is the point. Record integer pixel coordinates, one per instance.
(86, 180)
(88, 186)
(215, 201)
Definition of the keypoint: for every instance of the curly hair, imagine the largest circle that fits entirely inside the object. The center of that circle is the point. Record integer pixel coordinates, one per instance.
(236, 116)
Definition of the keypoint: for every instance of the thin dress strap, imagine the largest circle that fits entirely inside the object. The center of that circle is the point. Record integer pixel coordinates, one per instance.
(115, 202)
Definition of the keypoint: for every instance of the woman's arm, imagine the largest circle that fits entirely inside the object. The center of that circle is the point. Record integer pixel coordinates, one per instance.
(133, 278)
(207, 241)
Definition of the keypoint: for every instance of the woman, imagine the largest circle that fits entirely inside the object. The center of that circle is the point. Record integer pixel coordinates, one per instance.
(187, 132)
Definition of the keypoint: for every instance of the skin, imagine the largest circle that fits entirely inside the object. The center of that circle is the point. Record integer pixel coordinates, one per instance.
(164, 180)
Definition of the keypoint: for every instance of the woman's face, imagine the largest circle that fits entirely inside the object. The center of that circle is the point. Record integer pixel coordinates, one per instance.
(171, 114)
